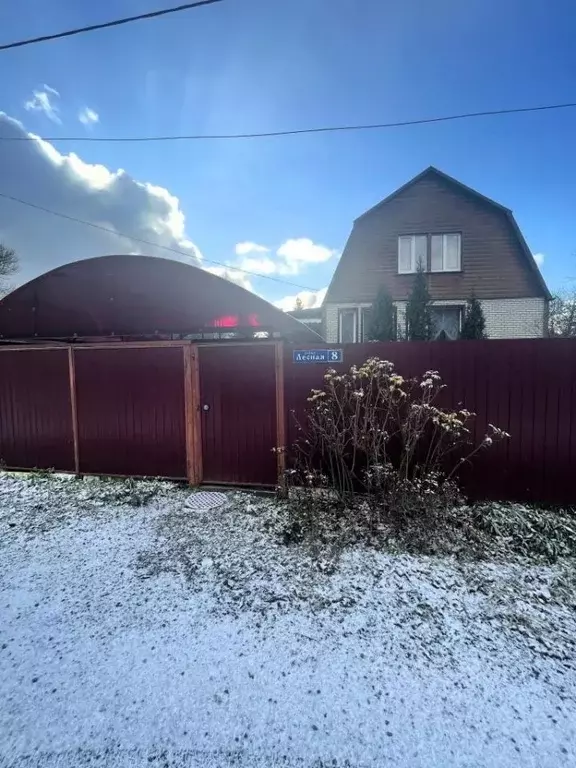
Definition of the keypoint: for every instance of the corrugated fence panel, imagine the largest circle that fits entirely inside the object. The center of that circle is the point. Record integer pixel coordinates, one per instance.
(131, 411)
(238, 397)
(527, 387)
(35, 410)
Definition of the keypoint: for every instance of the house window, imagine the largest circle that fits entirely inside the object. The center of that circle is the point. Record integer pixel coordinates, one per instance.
(445, 253)
(412, 253)
(347, 321)
(365, 319)
(445, 323)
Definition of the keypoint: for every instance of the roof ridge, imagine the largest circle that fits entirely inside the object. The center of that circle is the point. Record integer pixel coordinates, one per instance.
(431, 169)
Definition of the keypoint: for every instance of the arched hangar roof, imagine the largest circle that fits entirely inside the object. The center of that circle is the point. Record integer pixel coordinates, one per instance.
(137, 296)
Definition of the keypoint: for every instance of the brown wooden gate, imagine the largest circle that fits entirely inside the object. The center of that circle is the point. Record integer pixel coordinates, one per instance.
(239, 411)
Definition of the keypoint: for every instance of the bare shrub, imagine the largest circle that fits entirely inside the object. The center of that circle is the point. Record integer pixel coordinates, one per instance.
(375, 450)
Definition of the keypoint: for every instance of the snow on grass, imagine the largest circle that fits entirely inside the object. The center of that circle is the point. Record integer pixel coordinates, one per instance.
(134, 631)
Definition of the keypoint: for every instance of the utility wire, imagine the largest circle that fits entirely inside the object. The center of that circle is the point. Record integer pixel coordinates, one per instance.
(297, 131)
(107, 24)
(149, 242)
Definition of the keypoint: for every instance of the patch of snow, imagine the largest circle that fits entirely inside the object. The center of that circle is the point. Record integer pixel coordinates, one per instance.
(134, 633)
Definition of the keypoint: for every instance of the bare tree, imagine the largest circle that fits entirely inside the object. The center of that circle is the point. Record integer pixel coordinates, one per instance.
(8, 267)
(562, 314)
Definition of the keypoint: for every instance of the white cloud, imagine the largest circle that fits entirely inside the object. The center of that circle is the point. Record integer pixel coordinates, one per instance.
(242, 249)
(302, 250)
(309, 299)
(263, 265)
(539, 259)
(88, 116)
(42, 101)
(290, 258)
(37, 172)
(233, 275)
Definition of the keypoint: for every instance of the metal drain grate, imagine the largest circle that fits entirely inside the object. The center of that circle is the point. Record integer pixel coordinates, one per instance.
(203, 500)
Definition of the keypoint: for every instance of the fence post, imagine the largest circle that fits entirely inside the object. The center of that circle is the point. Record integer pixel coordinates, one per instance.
(192, 415)
(280, 417)
(72, 379)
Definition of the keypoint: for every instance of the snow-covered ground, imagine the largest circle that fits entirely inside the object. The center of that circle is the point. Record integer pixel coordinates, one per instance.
(154, 635)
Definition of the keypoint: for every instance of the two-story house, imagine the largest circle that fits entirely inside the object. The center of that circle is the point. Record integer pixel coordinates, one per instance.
(466, 243)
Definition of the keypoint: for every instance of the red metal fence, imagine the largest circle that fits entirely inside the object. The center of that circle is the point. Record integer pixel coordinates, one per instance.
(238, 414)
(130, 411)
(527, 387)
(35, 414)
(138, 409)
(168, 409)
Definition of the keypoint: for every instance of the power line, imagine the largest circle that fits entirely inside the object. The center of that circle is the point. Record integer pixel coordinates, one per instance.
(149, 242)
(297, 131)
(107, 24)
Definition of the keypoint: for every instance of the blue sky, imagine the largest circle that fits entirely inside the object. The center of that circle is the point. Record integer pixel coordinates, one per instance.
(257, 65)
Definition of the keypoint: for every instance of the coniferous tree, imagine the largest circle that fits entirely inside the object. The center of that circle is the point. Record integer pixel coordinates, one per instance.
(418, 314)
(474, 322)
(383, 318)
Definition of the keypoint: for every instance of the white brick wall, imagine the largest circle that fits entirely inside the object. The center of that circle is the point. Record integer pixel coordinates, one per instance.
(505, 318)
(515, 318)
(331, 323)
(331, 319)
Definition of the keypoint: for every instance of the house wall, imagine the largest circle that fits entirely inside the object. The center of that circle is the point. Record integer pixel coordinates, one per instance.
(515, 318)
(331, 319)
(494, 264)
(505, 318)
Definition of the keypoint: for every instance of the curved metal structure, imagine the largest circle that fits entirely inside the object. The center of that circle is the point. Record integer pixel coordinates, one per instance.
(140, 297)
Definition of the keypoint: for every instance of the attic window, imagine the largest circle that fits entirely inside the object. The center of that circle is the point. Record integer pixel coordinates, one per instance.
(412, 253)
(445, 253)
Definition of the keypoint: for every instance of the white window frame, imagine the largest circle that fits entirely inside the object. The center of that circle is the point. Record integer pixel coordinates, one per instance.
(412, 239)
(443, 307)
(362, 311)
(445, 235)
(355, 327)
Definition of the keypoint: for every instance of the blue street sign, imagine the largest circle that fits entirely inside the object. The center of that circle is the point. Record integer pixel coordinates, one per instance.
(317, 356)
